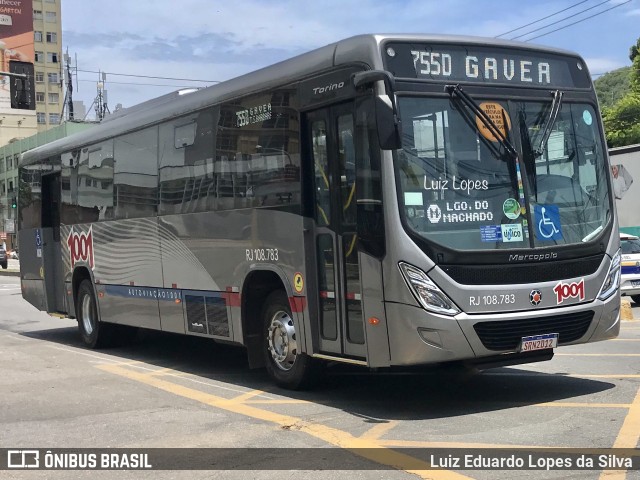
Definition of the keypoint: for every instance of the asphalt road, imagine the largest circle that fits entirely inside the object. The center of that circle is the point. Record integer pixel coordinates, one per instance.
(171, 391)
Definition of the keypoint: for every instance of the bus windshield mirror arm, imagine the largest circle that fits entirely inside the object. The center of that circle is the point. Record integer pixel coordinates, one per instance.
(470, 103)
(548, 126)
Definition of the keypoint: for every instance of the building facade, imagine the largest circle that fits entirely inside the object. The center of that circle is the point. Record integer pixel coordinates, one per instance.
(47, 44)
(9, 184)
(31, 33)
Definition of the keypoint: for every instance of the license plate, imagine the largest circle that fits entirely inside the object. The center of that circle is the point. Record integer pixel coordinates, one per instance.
(539, 342)
(635, 283)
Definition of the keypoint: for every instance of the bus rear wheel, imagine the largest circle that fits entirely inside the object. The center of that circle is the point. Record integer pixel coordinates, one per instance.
(286, 365)
(94, 333)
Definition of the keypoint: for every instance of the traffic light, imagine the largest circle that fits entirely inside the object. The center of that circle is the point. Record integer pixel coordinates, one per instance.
(14, 202)
(23, 94)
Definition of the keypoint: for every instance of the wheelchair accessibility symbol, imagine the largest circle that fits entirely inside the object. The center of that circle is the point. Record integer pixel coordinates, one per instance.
(547, 221)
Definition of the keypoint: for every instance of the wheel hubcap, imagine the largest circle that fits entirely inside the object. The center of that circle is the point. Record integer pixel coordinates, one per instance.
(87, 315)
(282, 341)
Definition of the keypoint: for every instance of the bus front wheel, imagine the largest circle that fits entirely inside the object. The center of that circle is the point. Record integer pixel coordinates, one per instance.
(286, 365)
(93, 332)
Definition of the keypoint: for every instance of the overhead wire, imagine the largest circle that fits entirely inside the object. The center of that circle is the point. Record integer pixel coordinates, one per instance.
(149, 76)
(559, 21)
(578, 21)
(142, 84)
(541, 19)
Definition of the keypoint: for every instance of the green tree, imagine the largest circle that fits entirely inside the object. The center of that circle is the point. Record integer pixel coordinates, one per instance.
(634, 56)
(613, 86)
(622, 120)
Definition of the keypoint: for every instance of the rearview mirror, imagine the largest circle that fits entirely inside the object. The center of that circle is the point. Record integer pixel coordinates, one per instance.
(387, 122)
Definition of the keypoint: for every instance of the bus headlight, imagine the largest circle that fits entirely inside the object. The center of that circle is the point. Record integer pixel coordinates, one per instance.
(426, 292)
(612, 281)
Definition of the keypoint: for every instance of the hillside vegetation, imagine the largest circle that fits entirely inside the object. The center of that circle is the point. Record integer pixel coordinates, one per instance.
(621, 103)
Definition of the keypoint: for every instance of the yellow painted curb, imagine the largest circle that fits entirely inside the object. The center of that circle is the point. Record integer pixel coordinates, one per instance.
(625, 311)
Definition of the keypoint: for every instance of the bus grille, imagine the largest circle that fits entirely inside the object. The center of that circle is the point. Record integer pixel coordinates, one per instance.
(506, 335)
(522, 273)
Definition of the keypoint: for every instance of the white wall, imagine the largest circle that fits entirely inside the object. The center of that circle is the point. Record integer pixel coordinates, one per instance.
(629, 205)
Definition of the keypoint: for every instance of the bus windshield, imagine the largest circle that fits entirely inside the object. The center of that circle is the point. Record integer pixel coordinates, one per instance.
(459, 187)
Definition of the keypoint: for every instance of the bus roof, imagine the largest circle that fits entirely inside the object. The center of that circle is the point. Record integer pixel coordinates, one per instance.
(360, 49)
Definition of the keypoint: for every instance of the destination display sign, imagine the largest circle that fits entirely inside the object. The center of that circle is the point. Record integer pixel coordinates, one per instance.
(488, 65)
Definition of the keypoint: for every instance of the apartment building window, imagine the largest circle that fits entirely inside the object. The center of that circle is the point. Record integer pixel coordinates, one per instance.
(52, 57)
(53, 78)
(54, 98)
(40, 117)
(40, 97)
(37, 14)
(37, 36)
(50, 1)
(52, 37)
(54, 118)
(50, 17)
(39, 77)
(39, 56)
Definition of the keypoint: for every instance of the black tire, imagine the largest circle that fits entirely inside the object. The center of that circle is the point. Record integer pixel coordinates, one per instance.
(286, 365)
(5, 265)
(636, 299)
(94, 333)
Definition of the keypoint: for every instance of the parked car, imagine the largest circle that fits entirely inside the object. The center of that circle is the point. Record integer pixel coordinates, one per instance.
(3, 258)
(630, 280)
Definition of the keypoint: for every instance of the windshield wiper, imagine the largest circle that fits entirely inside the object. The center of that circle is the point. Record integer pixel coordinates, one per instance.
(528, 154)
(470, 103)
(548, 127)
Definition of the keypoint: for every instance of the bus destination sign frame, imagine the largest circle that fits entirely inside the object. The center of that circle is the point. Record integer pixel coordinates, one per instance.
(487, 65)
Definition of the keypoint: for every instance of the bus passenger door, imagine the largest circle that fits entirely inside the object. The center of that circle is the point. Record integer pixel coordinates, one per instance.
(51, 253)
(337, 319)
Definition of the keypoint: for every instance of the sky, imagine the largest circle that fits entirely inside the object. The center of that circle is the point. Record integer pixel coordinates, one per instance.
(217, 40)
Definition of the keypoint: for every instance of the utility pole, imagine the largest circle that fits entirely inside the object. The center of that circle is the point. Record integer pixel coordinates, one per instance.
(69, 80)
(101, 99)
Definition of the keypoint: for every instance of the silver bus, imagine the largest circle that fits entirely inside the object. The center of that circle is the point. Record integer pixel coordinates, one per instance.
(384, 201)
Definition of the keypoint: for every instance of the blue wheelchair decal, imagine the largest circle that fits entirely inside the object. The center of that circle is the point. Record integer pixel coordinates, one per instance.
(547, 222)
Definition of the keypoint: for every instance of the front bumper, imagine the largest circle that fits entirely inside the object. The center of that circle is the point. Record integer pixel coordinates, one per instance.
(418, 337)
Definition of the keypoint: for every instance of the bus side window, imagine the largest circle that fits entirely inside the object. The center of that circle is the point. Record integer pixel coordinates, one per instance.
(87, 184)
(370, 217)
(136, 174)
(321, 166)
(186, 166)
(257, 157)
(347, 160)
